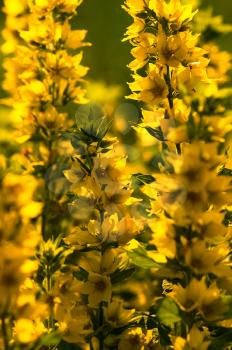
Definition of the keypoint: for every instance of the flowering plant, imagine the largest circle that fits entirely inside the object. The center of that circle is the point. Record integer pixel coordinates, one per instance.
(97, 252)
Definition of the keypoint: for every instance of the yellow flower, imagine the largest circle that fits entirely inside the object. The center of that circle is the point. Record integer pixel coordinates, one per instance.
(79, 238)
(208, 260)
(27, 331)
(205, 19)
(106, 263)
(35, 93)
(98, 289)
(146, 43)
(66, 288)
(194, 77)
(211, 227)
(180, 112)
(164, 236)
(63, 6)
(195, 340)
(74, 322)
(132, 339)
(19, 190)
(15, 8)
(219, 64)
(174, 12)
(212, 307)
(151, 89)
(135, 29)
(135, 6)
(179, 198)
(189, 298)
(172, 50)
(115, 196)
(116, 315)
(2, 163)
(114, 230)
(107, 170)
(177, 135)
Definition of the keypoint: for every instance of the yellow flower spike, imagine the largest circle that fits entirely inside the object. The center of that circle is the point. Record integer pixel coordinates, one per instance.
(190, 127)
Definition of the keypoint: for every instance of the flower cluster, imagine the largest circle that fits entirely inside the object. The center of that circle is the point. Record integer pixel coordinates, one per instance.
(92, 257)
(20, 304)
(102, 206)
(183, 74)
(46, 75)
(43, 74)
(185, 112)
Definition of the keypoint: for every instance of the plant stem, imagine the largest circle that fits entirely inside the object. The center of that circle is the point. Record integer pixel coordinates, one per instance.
(170, 98)
(170, 89)
(101, 320)
(46, 195)
(4, 333)
(49, 287)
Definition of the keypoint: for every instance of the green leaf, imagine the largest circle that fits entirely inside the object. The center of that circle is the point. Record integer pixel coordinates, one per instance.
(227, 301)
(225, 172)
(228, 218)
(164, 333)
(141, 179)
(66, 346)
(92, 121)
(168, 312)
(151, 322)
(119, 276)
(223, 341)
(139, 257)
(157, 133)
(51, 339)
(81, 275)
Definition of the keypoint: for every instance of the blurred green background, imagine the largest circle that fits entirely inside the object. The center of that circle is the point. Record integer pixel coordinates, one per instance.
(106, 22)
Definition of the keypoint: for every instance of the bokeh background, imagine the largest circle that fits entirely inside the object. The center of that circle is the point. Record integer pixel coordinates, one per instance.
(106, 23)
